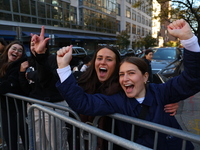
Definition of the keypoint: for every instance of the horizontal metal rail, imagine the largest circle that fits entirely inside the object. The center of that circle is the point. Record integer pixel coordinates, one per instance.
(98, 132)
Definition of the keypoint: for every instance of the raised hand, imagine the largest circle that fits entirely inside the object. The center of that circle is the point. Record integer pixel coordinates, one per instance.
(24, 66)
(180, 29)
(38, 43)
(64, 56)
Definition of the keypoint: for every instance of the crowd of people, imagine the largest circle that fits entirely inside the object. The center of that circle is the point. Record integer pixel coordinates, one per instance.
(106, 85)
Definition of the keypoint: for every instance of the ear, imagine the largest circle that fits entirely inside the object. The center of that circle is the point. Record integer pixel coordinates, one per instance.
(146, 76)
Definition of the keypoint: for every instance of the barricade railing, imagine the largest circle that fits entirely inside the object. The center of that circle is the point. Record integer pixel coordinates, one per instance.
(157, 128)
(26, 100)
(91, 129)
(94, 132)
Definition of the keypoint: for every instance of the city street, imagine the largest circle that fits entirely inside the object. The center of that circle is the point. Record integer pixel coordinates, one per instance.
(188, 115)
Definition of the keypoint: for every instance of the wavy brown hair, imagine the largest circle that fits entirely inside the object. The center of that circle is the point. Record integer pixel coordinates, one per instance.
(4, 64)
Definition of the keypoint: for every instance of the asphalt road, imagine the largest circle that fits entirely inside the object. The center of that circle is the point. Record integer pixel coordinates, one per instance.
(188, 115)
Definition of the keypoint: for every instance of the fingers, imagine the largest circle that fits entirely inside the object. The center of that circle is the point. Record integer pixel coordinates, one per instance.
(173, 114)
(171, 108)
(178, 24)
(42, 32)
(46, 40)
(23, 66)
(61, 52)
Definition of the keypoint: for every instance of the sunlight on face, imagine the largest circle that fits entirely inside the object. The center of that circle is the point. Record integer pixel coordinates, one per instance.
(132, 80)
(105, 64)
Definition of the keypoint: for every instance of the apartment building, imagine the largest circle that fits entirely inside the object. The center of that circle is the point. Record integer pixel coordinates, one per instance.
(85, 23)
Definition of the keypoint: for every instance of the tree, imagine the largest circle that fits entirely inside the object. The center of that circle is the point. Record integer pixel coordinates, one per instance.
(147, 42)
(123, 39)
(185, 9)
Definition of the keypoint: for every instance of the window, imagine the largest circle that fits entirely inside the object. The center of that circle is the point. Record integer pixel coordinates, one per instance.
(128, 12)
(138, 30)
(118, 10)
(128, 27)
(139, 18)
(133, 15)
(133, 28)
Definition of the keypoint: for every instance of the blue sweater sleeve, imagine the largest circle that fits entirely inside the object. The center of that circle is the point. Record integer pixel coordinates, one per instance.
(184, 85)
(87, 104)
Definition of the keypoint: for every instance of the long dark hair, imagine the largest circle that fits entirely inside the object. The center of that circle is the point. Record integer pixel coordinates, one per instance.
(4, 64)
(89, 80)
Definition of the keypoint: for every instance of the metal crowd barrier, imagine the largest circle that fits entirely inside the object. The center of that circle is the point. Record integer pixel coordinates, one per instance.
(91, 129)
(26, 100)
(94, 132)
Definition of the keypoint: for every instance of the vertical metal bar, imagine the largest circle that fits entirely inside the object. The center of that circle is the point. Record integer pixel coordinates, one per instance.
(25, 125)
(110, 145)
(89, 141)
(31, 122)
(155, 140)
(44, 136)
(39, 129)
(132, 132)
(2, 139)
(18, 126)
(8, 117)
(54, 131)
(49, 129)
(184, 145)
(60, 130)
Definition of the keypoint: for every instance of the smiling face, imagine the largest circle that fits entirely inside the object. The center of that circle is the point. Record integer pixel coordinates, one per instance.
(132, 80)
(15, 52)
(105, 64)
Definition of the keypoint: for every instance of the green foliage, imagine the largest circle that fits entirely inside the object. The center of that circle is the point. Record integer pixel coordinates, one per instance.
(123, 40)
(172, 44)
(147, 42)
(188, 10)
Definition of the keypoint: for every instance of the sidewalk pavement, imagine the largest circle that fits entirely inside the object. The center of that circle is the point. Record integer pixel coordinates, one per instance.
(188, 115)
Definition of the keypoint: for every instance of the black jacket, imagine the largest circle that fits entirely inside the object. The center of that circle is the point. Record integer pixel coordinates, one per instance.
(150, 79)
(10, 84)
(42, 78)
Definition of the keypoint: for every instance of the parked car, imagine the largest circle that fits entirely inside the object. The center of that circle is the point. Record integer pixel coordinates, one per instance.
(124, 53)
(78, 54)
(167, 63)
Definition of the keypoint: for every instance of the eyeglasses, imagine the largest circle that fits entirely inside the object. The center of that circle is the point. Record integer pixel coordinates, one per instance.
(18, 50)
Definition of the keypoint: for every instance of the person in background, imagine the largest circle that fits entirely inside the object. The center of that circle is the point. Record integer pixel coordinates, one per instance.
(78, 70)
(10, 60)
(133, 76)
(148, 58)
(3, 44)
(38, 77)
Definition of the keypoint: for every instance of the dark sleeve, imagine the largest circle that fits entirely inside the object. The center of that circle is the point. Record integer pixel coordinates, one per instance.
(46, 67)
(187, 83)
(88, 104)
(24, 83)
(10, 83)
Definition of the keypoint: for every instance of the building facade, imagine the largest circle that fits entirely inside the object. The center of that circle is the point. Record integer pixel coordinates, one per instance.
(85, 23)
(137, 21)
